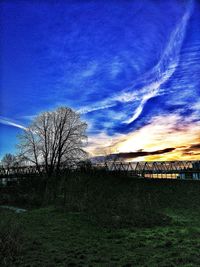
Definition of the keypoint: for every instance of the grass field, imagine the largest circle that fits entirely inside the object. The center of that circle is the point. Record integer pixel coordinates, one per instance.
(52, 236)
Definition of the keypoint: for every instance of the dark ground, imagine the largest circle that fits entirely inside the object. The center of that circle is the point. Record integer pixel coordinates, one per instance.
(108, 221)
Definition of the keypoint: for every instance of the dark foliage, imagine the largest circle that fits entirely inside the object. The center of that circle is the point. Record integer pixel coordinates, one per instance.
(109, 199)
(11, 241)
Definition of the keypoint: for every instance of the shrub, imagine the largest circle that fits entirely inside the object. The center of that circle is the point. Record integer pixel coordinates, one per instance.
(11, 241)
(115, 202)
(123, 210)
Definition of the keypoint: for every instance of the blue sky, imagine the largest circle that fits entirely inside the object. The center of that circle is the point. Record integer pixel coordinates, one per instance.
(127, 66)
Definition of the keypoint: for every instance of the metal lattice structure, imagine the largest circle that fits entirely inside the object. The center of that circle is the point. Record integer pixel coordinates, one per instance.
(17, 171)
(24, 171)
(158, 169)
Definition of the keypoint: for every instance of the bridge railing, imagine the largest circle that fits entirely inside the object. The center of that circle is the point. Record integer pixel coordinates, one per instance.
(166, 169)
(137, 168)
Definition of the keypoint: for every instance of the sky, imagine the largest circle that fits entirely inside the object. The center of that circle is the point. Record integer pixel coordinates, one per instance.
(131, 68)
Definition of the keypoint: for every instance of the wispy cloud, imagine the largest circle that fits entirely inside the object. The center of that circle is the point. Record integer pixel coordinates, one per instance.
(89, 71)
(86, 110)
(29, 117)
(12, 123)
(167, 64)
(149, 85)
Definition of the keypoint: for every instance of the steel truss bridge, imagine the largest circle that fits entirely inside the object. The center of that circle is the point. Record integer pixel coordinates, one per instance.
(156, 169)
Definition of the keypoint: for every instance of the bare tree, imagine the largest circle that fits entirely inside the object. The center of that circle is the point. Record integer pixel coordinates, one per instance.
(9, 160)
(54, 138)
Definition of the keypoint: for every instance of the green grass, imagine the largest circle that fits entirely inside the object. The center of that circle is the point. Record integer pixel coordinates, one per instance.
(54, 238)
(78, 234)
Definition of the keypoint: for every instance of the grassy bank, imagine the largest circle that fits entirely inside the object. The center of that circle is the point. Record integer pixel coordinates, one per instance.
(108, 221)
(53, 238)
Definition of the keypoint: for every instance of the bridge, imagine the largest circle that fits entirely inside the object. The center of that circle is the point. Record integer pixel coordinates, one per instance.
(156, 169)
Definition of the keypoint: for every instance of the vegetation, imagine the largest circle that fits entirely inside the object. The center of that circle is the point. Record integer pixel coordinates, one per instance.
(105, 220)
(9, 160)
(11, 239)
(54, 138)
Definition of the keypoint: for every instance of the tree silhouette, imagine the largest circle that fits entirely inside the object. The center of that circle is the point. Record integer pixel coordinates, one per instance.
(9, 160)
(53, 139)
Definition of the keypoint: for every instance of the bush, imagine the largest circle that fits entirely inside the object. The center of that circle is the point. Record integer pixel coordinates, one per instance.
(124, 209)
(11, 241)
(28, 192)
(113, 200)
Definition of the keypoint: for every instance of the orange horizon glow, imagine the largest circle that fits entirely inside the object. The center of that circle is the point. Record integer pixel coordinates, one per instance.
(160, 133)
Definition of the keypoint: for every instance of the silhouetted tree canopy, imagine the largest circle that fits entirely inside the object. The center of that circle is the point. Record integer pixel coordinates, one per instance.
(9, 160)
(54, 138)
